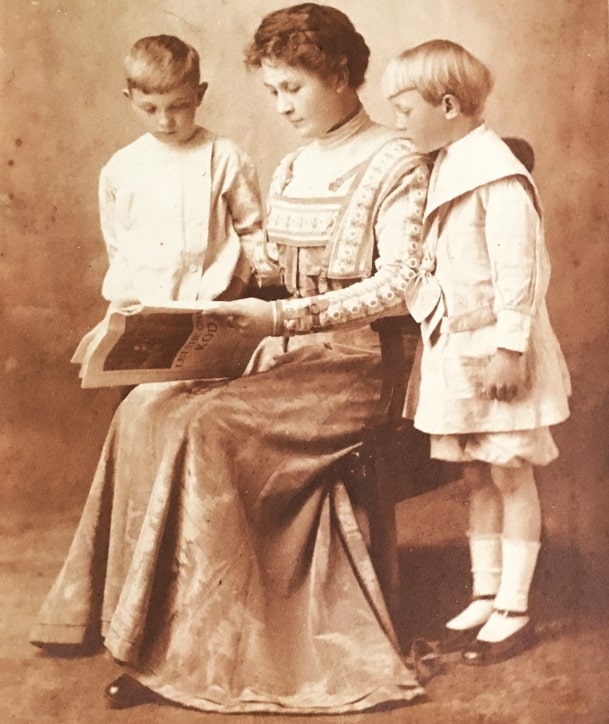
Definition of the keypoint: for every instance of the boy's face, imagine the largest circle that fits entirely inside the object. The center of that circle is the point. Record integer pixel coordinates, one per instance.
(427, 126)
(168, 116)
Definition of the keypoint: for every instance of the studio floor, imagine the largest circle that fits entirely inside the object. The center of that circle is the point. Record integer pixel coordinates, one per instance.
(563, 679)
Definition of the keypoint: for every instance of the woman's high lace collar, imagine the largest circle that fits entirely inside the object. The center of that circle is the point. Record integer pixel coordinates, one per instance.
(351, 128)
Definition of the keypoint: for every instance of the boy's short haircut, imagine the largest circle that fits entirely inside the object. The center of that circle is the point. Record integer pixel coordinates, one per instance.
(439, 67)
(160, 63)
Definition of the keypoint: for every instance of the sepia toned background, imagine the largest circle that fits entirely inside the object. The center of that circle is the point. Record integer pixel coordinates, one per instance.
(63, 115)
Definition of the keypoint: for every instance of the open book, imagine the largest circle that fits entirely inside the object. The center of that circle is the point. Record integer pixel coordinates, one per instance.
(140, 343)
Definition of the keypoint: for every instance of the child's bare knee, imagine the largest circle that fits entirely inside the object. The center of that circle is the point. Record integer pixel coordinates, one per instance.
(511, 480)
(476, 475)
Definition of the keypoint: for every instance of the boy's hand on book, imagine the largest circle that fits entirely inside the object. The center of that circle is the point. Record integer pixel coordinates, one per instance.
(252, 317)
(505, 375)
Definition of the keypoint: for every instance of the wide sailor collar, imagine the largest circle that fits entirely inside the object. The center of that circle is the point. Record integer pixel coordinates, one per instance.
(477, 159)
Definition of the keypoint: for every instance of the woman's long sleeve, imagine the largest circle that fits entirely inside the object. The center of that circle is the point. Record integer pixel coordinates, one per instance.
(398, 242)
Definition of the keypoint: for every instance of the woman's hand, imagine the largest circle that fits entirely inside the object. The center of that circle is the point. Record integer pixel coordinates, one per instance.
(252, 317)
(505, 376)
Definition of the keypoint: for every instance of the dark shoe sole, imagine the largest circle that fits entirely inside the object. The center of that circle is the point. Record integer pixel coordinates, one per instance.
(483, 653)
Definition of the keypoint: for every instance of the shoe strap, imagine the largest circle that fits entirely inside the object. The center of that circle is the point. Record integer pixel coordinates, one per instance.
(485, 597)
(506, 613)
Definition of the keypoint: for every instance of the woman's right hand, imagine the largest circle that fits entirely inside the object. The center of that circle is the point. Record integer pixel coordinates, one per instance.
(251, 317)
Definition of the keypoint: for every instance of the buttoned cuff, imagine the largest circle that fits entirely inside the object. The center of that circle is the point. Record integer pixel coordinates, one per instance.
(513, 330)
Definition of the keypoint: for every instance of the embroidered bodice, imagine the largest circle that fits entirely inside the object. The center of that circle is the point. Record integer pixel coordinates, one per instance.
(344, 223)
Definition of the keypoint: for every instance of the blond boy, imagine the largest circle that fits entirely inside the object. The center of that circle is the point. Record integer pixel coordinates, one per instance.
(492, 374)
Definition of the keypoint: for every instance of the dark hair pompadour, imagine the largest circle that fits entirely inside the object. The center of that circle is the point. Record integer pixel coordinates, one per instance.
(318, 38)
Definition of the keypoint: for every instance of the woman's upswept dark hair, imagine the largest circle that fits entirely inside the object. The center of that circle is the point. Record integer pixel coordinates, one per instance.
(317, 38)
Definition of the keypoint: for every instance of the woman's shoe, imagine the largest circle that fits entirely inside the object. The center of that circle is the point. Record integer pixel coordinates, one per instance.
(126, 692)
(482, 653)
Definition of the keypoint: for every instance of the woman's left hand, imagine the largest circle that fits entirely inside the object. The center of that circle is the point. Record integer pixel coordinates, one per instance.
(252, 317)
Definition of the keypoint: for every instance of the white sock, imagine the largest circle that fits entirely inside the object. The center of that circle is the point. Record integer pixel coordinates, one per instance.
(519, 561)
(477, 613)
(485, 555)
(487, 563)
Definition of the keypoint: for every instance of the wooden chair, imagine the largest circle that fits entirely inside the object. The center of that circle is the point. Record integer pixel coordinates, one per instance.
(393, 461)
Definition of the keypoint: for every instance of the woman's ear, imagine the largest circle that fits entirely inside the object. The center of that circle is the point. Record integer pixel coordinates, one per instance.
(451, 106)
(127, 93)
(342, 77)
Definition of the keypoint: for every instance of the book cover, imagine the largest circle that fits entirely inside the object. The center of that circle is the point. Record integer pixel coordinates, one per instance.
(141, 343)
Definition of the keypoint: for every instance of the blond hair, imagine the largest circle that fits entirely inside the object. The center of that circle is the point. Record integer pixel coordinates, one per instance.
(160, 63)
(437, 68)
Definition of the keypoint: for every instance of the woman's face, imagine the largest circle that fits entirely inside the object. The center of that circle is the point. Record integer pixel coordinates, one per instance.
(313, 105)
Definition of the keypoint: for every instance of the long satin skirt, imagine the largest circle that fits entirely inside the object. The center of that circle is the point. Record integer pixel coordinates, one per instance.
(216, 556)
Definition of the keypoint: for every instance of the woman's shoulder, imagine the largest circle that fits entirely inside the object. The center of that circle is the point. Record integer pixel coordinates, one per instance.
(284, 170)
(391, 144)
(402, 149)
(395, 156)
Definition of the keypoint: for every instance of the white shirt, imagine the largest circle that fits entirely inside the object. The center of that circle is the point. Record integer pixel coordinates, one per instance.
(178, 221)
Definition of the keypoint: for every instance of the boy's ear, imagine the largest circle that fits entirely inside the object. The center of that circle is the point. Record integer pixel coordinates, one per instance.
(201, 90)
(451, 106)
(127, 93)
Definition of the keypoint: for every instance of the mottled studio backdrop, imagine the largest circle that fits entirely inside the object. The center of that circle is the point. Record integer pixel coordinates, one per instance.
(62, 115)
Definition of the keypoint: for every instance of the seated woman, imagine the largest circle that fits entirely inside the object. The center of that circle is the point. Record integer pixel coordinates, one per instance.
(213, 556)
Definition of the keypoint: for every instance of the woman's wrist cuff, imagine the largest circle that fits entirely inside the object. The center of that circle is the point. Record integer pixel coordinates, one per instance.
(278, 318)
